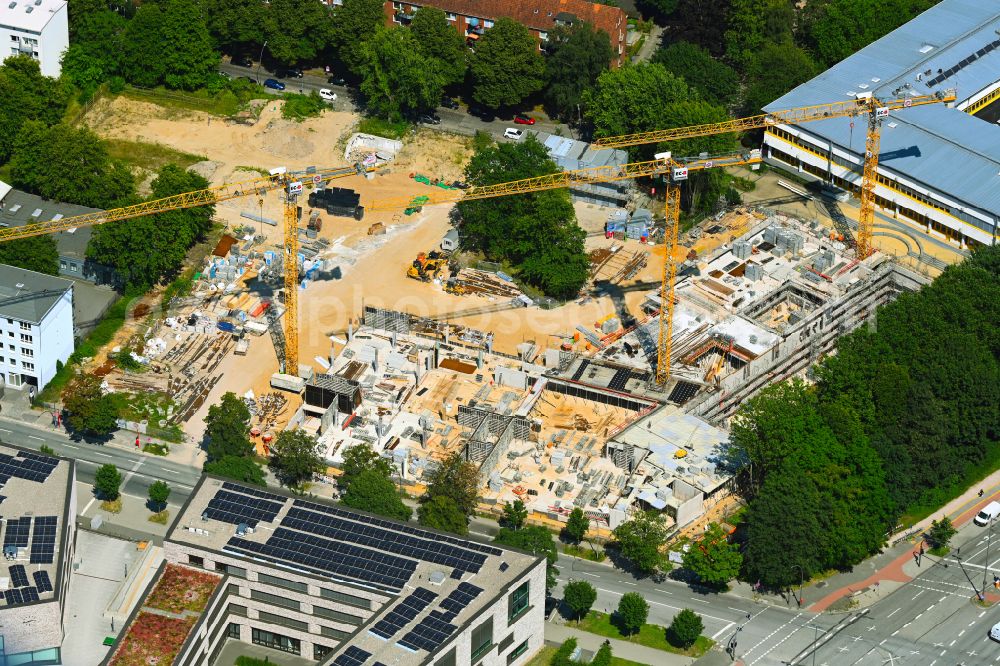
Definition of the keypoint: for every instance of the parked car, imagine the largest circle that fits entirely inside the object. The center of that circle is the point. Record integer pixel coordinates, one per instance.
(460, 185)
(327, 94)
(336, 80)
(429, 118)
(242, 60)
(289, 73)
(481, 112)
(449, 103)
(513, 133)
(274, 84)
(521, 119)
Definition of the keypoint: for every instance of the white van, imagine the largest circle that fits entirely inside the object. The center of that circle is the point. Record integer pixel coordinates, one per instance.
(989, 512)
(995, 632)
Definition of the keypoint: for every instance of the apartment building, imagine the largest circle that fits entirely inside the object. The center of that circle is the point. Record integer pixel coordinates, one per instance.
(36, 327)
(38, 28)
(39, 536)
(313, 579)
(472, 18)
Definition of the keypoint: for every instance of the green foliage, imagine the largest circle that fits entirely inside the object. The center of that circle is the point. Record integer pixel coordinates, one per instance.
(715, 81)
(35, 253)
(297, 30)
(69, 164)
(752, 24)
(577, 56)
(457, 480)
(685, 628)
(159, 491)
(179, 288)
(227, 429)
(774, 70)
(127, 362)
(89, 410)
(481, 141)
(299, 107)
(94, 52)
(362, 458)
(389, 129)
(440, 43)
(579, 596)
(632, 612)
(353, 24)
(603, 656)
(295, 457)
(509, 229)
(237, 25)
(47, 450)
(576, 526)
(845, 26)
(514, 515)
(145, 250)
(506, 67)
(374, 492)
(397, 79)
(659, 8)
(107, 481)
(537, 541)
(940, 533)
(167, 42)
(563, 654)
(243, 660)
(441, 513)
(641, 538)
(239, 468)
(713, 559)
(26, 96)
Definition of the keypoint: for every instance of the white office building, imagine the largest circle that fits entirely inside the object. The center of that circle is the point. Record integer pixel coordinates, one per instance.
(38, 28)
(36, 326)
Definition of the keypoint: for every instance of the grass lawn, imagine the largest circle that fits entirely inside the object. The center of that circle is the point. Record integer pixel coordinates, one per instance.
(384, 128)
(586, 552)
(544, 656)
(223, 103)
(651, 635)
(148, 155)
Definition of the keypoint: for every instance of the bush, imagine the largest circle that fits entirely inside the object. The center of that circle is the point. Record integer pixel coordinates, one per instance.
(632, 613)
(389, 129)
(685, 629)
(299, 107)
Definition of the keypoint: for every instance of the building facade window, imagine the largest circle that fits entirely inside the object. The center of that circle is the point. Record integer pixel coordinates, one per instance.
(236, 609)
(233, 630)
(482, 640)
(344, 598)
(487, 23)
(330, 632)
(239, 572)
(196, 560)
(276, 641)
(448, 659)
(26, 338)
(339, 616)
(321, 651)
(517, 652)
(281, 582)
(30, 367)
(452, 17)
(25, 351)
(275, 599)
(25, 326)
(517, 602)
(283, 621)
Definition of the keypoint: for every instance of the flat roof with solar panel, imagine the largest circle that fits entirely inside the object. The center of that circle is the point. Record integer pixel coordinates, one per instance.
(434, 582)
(33, 518)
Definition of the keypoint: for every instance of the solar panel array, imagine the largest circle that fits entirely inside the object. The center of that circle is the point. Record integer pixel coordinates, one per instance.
(21, 591)
(965, 62)
(437, 626)
(43, 540)
(352, 656)
(17, 532)
(236, 508)
(26, 465)
(253, 492)
(404, 613)
(13, 597)
(459, 599)
(18, 576)
(42, 581)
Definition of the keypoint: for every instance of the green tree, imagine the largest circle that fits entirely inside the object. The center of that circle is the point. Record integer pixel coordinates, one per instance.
(457, 480)
(237, 26)
(514, 515)
(297, 30)
(632, 613)
(713, 559)
(715, 81)
(167, 42)
(107, 481)
(441, 43)
(35, 253)
(227, 428)
(577, 56)
(641, 538)
(239, 468)
(603, 657)
(159, 491)
(940, 533)
(397, 78)
(376, 493)
(702, 22)
(845, 26)
(69, 164)
(774, 70)
(441, 513)
(658, 8)
(362, 458)
(25, 96)
(752, 24)
(685, 629)
(508, 229)
(537, 541)
(579, 596)
(353, 23)
(296, 456)
(506, 67)
(146, 250)
(95, 48)
(90, 411)
(576, 526)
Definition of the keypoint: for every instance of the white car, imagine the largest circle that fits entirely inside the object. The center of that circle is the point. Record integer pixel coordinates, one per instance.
(512, 133)
(327, 94)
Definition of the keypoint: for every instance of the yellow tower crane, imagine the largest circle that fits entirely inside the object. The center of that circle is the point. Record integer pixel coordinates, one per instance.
(278, 179)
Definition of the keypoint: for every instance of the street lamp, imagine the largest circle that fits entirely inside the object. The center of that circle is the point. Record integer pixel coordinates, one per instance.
(260, 60)
(731, 646)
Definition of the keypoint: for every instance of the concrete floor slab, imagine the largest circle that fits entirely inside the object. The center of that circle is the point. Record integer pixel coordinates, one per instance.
(234, 649)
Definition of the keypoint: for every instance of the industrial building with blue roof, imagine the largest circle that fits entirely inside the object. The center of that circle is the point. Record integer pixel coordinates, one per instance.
(939, 165)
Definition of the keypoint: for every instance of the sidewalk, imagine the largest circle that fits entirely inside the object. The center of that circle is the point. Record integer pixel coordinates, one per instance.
(560, 633)
(879, 576)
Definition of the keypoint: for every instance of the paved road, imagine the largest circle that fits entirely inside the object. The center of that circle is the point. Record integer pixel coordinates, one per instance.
(454, 121)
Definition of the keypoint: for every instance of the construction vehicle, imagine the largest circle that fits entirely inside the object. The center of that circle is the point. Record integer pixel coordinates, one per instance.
(455, 286)
(426, 267)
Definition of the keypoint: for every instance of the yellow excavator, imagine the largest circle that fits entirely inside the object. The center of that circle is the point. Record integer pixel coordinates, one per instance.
(426, 267)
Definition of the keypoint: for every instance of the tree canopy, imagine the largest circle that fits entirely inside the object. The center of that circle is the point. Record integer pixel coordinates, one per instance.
(632, 612)
(375, 492)
(167, 42)
(506, 66)
(685, 628)
(442, 513)
(514, 515)
(158, 491)
(713, 558)
(107, 481)
(361, 458)
(90, 411)
(576, 526)
(774, 70)
(458, 480)
(239, 468)
(227, 428)
(35, 253)
(579, 596)
(27, 97)
(441, 44)
(297, 30)
(640, 539)
(715, 81)
(295, 457)
(397, 79)
(845, 26)
(577, 56)
(536, 540)
(353, 23)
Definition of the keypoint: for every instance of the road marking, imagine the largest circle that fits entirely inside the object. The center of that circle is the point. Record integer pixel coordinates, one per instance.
(625, 582)
(722, 631)
(982, 614)
(660, 603)
(972, 623)
(952, 642)
(70, 446)
(700, 601)
(917, 617)
(34, 437)
(84, 512)
(5, 430)
(895, 632)
(740, 610)
(587, 573)
(892, 613)
(103, 455)
(766, 638)
(960, 634)
(917, 595)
